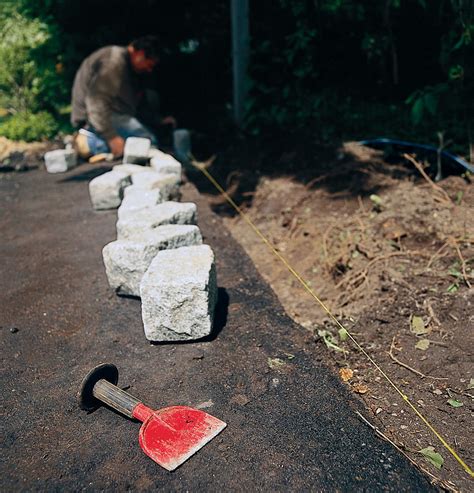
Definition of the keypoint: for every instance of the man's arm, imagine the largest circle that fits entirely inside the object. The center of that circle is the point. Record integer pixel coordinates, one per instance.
(116, 145)
(169, 120)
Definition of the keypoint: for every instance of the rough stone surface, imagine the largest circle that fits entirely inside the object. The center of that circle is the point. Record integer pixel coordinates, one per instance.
(106, 191)
(154, 152)
(164, 163)
(179, 294)
(140, 221)
(127, 260)
(136, 150)
(168, 184)
(136, 198)
(60, 160)
(131, 169)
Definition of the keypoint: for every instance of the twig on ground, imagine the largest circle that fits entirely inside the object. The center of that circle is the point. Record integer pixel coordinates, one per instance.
(358, 281)
(432, 313)
(394, 358)
(344, 298)
(402, 283)
(463, 264)
(351, 280)
(437, 254)
(404, 365)
(294, 225)
(361, 204)
(314, 181)
(433, 185)
(361, 224)
(325, 244)
(400, 449)
(436, 343)
(460, 392)
(232, 184)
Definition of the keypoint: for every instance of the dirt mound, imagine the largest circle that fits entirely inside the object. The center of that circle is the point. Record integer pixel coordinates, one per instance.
(21, 155)
(352, 247)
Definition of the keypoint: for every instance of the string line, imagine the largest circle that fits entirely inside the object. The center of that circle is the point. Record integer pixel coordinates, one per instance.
(336, 321)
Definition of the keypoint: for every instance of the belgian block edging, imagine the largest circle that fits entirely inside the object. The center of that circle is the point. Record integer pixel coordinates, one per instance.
(158, 254)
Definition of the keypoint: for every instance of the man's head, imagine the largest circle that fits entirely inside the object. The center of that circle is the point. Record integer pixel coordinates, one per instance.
(143, 54)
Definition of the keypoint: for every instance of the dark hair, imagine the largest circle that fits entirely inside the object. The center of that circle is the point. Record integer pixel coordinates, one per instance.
(149, 44)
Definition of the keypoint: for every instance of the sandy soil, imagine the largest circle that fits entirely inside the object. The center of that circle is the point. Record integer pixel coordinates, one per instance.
(22, 156)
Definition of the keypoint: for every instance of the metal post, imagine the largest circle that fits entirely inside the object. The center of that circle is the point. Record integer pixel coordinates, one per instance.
(240, 55)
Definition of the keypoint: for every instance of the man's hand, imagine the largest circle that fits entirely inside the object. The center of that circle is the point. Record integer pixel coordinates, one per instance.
(169, 120)
(116, 145)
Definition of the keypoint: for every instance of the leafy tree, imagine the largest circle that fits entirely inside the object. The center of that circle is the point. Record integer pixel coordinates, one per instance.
(449, 103)
(19, 78)
(335, 69)
(30, 75)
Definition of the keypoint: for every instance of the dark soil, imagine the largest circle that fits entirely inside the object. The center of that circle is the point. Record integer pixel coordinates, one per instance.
(376, 261)
(292, 425)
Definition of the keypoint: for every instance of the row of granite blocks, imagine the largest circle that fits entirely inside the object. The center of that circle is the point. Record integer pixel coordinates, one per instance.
(159, 253)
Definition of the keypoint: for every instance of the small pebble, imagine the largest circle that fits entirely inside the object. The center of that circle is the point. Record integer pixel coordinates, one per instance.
(13, 330)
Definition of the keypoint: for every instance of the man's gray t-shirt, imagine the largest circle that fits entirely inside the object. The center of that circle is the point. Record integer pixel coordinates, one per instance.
(104, 84)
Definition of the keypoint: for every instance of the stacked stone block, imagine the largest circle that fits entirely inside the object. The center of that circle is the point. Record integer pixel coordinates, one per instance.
(179, 294)
(167, 183)
(134, 224)
(136, 198)
(164, 163)
(136, 150)
(127, 260)
(158, 254)
(130, 169)
(106, 191)
(60, 160)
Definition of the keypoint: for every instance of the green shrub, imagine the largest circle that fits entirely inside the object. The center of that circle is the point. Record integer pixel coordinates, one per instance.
(18, 71)
(31, 72)
(29, 126)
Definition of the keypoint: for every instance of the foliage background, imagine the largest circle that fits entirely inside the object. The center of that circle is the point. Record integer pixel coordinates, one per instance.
(323, 69)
